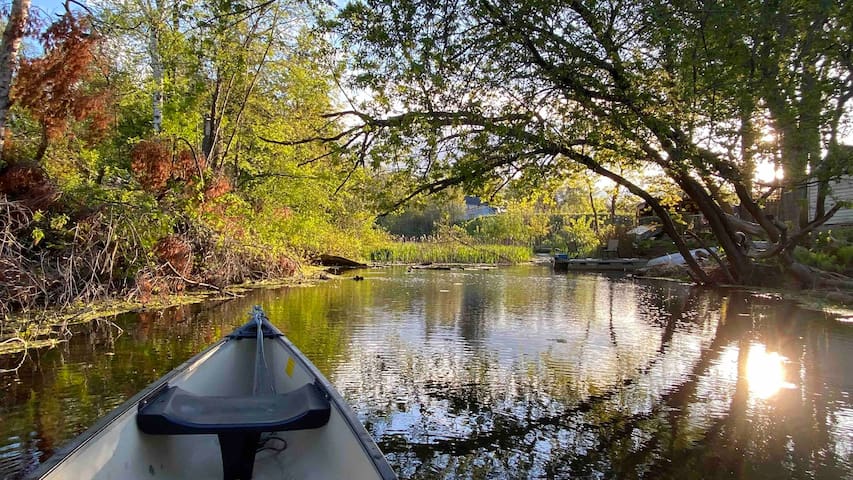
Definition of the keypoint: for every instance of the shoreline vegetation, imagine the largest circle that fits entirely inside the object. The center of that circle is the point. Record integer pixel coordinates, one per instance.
(50, 326)
(46, 325)
(449, 252)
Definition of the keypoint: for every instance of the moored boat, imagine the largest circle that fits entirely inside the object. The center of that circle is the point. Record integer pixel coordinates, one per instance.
(250, 406)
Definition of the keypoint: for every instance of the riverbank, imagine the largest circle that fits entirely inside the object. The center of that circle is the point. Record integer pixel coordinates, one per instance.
(23, 331)
(178, 279)
(47, 328)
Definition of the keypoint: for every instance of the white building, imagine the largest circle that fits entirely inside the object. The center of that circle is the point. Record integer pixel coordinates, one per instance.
(841, 190)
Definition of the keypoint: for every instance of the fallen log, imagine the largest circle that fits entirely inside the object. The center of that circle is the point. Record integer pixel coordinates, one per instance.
(336, 261)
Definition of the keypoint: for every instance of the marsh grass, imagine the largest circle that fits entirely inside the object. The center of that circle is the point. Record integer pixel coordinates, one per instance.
(446, 252)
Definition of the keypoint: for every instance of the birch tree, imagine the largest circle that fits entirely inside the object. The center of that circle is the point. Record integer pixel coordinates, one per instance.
(12, 36)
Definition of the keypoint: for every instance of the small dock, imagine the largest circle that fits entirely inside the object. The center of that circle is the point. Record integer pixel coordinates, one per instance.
(562, 263)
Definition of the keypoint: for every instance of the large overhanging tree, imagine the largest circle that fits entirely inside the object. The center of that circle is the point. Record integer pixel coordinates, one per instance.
(479, 91)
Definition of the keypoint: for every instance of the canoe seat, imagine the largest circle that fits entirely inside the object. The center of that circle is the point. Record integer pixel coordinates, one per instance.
(238, 421)
(177, 412)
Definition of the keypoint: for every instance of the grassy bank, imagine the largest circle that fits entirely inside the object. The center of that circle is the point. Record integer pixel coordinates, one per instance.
(448, 252)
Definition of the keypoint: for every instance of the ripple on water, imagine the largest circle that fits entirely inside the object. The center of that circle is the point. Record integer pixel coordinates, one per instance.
(509, 373)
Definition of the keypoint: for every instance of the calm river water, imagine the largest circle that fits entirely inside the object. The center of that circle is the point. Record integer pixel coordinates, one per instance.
(507, 373)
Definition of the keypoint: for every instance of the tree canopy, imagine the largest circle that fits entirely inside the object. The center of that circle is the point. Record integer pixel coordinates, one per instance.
(483, 92)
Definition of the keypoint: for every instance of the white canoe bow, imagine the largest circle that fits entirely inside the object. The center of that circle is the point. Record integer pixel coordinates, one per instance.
(250, 406)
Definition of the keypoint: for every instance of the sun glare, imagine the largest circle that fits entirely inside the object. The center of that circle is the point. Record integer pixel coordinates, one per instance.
(765, 372)
(767, 172)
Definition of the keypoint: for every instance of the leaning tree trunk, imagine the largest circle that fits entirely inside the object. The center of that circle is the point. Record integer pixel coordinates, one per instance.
(12, 36)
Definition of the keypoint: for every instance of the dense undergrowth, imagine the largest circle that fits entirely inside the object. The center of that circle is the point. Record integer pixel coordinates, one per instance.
(155, 229)
(830, 250)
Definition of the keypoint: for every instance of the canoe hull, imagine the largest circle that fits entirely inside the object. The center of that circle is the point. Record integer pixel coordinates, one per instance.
(115, 448)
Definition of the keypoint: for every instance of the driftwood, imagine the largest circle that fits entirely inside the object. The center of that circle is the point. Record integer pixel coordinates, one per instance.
(200, 284)
(335, 261)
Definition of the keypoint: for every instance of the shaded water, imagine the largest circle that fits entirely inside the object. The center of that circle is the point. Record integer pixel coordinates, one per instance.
(510, 373)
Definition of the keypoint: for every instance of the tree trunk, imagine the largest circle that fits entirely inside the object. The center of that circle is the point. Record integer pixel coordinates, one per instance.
(739, 263)
(42, 147)
(592, 206)
(747, 143)
(12, 36)
(157, 73)
(211, 126)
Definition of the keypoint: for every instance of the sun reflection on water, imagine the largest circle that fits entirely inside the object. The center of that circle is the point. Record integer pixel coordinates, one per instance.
(765, 372)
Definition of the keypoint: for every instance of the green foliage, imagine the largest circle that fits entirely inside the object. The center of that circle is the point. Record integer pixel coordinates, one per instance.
(831, 250)
(579, 237)
(845, 255)
(425, 216)
(519, 225)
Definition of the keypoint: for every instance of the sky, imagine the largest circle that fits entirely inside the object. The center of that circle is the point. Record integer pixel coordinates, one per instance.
(49, 6)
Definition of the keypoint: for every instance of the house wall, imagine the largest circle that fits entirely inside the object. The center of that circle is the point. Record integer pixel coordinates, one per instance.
(478, 211)
(840, 190)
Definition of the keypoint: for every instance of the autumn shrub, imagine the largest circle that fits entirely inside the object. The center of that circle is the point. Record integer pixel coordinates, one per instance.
(176, 252)
(28, 184)
(151, 163)
(218, 186)
(187, 165)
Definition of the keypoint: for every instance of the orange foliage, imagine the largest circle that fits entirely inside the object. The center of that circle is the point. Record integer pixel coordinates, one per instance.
(286, 266)
(185, 166)
(151, 163)
(176, 251)
(145, 286)
(29, 185)
(56, 88)
(219, 186)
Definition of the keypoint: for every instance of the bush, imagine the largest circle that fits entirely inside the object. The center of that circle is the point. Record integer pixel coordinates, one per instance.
(580, 237)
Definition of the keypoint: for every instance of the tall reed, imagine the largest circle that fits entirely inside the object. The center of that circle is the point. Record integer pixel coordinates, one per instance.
(423, 252)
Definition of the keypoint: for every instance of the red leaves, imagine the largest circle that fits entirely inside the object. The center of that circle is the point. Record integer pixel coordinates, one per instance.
(177, 252)
(185, 167)
(220, 185)
(28, 184)
(154, 164)
(151, 162)
(57, 87)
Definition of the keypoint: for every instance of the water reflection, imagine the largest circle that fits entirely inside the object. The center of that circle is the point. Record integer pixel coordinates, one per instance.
(514, 373)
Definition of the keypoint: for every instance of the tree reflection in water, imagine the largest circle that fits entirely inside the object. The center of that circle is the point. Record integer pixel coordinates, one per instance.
(511, 373)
